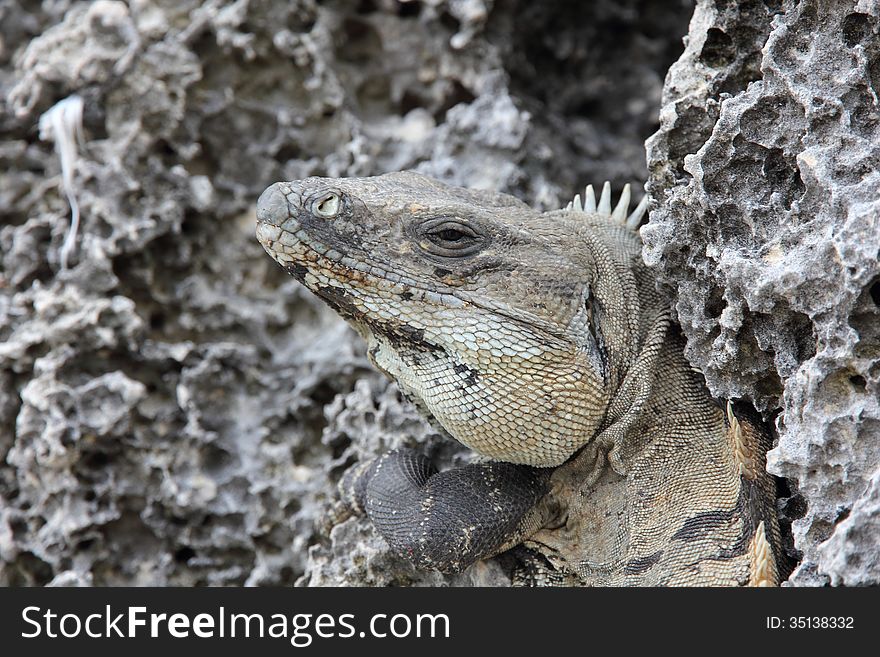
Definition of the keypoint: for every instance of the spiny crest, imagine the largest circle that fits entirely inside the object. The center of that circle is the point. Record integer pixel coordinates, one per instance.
(618, 215)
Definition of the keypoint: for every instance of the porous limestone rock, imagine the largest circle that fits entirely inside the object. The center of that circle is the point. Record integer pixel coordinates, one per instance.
(765, 182)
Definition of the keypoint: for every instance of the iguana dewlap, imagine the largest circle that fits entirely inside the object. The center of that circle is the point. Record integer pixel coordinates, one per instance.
(538, 340)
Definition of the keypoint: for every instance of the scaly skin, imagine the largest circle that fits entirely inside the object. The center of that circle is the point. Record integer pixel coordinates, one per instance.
(539, 341)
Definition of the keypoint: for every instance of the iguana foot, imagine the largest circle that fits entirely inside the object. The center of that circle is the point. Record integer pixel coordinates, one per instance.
(446, 520)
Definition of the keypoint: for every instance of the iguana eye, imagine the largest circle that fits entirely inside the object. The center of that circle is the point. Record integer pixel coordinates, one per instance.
(449, 237)
(326, 206)
(451, 233)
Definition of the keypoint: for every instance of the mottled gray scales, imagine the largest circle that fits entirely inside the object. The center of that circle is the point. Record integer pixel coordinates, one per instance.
(447, 520)
(540, 341)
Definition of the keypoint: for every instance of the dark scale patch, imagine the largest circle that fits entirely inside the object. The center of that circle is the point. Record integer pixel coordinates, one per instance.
(403, 336)
(488, 264)
(642, 565)
(750, 509)
(439, 272)
(335, 297)
(740, 547)
(471, 375)
(450, 519)
(703, 524)
(412, 334)
(298, 271)
(406, 295)
(751, 500)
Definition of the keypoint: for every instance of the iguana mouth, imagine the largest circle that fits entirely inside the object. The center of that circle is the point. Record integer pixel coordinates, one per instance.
(293, 245)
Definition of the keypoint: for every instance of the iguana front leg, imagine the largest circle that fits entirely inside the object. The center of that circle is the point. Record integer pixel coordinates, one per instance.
(447, 520)
(695, 507)
(691, 510)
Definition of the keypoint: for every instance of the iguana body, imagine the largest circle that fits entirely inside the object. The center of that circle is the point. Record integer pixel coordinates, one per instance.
(538, 340)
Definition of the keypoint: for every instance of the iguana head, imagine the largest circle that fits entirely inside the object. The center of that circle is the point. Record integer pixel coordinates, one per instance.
(505, 324)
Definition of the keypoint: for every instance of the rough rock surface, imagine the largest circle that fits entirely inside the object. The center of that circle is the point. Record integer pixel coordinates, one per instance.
(174, 409)
(765, 180)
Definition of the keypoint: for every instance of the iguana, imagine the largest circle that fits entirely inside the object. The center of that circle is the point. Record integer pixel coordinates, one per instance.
(539, 341)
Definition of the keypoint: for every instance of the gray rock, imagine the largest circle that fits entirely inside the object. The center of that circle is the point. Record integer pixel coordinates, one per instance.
(766, 228)
(850, 557)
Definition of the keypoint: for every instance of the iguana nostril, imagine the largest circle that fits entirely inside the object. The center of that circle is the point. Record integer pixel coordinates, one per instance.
(272, 207)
